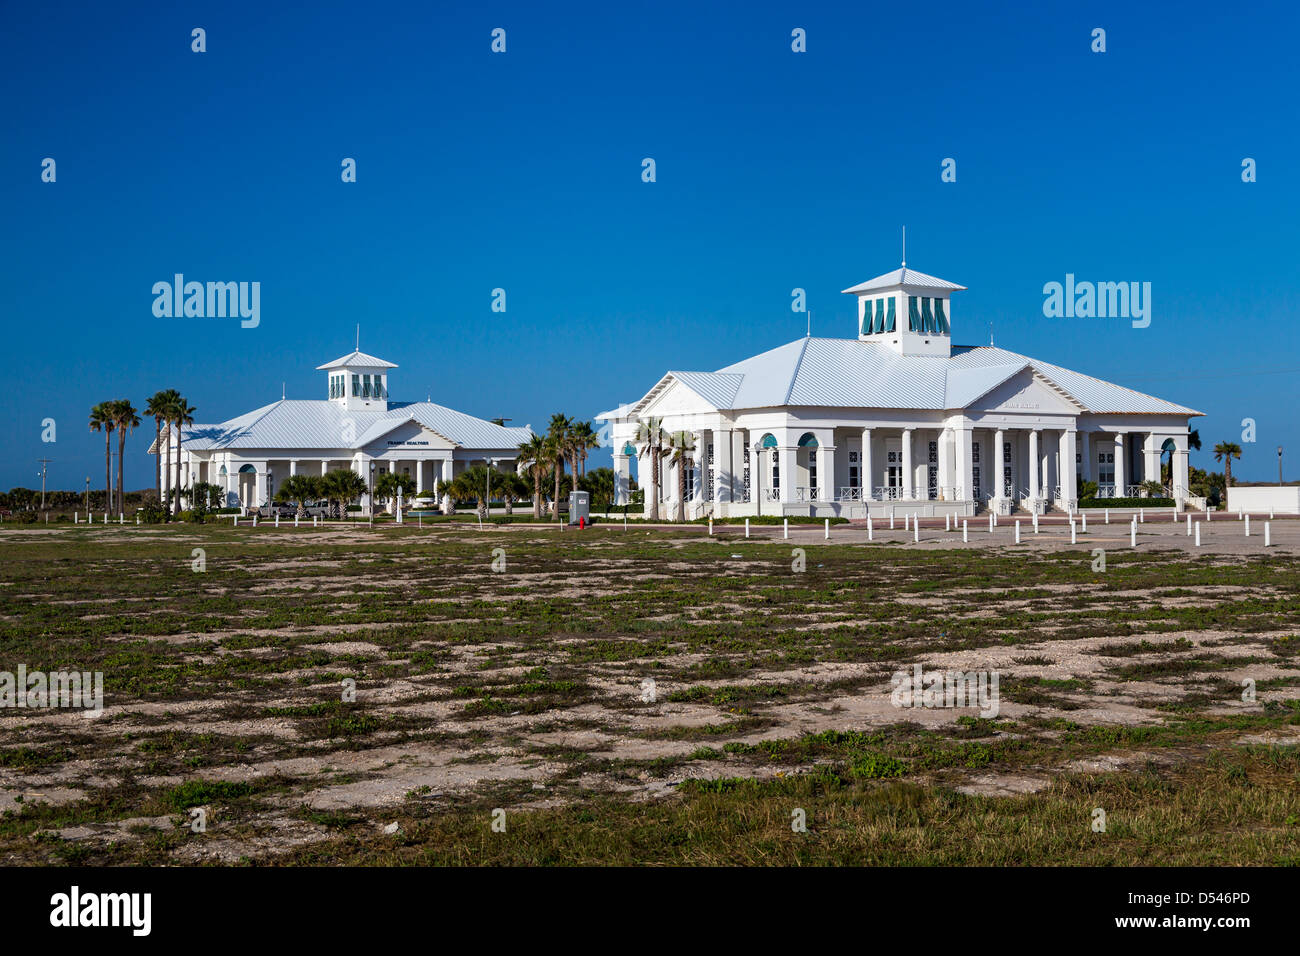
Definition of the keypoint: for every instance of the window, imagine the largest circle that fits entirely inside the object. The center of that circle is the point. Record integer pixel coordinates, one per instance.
(889, 318)
(853, 456)
(927, 317)
(853, 476)
(975, 452)
(776, 469)
(913, 315)
(941, 318)
(356, 384)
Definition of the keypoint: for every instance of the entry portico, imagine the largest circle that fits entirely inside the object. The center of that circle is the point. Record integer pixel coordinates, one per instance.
(899, 418)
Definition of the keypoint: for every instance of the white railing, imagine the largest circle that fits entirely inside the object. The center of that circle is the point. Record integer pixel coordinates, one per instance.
(888, 493)
(805, 494)
(850, 494)
(771, 494)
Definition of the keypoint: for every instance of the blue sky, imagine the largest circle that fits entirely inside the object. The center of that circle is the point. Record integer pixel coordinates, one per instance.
(522, 171)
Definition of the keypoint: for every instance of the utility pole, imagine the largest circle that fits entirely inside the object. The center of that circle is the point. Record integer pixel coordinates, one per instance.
(46, 461)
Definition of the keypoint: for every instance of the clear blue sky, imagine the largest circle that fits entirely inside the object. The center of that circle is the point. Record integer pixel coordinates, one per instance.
(522, 171)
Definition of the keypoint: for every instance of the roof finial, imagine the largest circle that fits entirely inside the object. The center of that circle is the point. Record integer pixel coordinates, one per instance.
(282, 391)
(358, 336)
(904, 247)
(990, 335)
(810, 323)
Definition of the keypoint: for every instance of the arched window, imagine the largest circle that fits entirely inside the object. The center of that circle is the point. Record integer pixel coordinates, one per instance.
(767, 441)
(808, 440)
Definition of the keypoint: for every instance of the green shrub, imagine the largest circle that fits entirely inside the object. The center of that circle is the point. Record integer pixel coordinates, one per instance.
(1126, 503)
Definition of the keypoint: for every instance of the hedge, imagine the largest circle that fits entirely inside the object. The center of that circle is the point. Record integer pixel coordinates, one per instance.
(1127, 503)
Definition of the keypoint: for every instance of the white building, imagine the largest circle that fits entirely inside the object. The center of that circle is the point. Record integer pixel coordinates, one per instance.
(899, 417)
(355, 427)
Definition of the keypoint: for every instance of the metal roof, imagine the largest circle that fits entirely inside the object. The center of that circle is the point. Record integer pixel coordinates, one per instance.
(850, 373)
(322, 424)
(905, 277)
(356, 360)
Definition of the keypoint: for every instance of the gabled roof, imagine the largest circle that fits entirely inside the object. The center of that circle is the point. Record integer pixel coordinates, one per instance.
(905, 277)
(850, 373)
(356, 360)
(307, 424)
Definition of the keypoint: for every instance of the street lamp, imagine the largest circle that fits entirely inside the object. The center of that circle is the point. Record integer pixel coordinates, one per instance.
(370, 494)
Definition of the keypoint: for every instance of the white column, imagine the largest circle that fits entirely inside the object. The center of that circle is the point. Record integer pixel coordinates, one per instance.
(700, 456)
(324, 466)
(826, 490)
(1069, 478)
(999, 483)
(722, 466)
(965, 464)
(867, 473)
(1121, 476)
(419, 475)
(945, 465)
(908, 475)
(622, 474)
(1180, 471)
(1151, 454)
(1034, 463)
(259, 486)
(293, 467)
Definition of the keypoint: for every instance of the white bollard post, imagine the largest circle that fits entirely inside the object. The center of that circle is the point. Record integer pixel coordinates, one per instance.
(871, 535)
(295, 521)
(47, 519)
(1084, 515)
(1107, 516)
(916, 529)
(828, 529)
(1142, 515)
(891, 517)
(786, 523)
(746, 527)
(1239, 516)
(1207, 513)
(1017, 531)
(1035, 522)
(1073, 536)
(1270, 512)
(254, 521)
(947, 522)
(906, 518)
(965, 531)
(710, 526)
(235, 520)
(1198, 534)
(74, 517)
(1189, 524)
(1247, 526)
(1268, 534)
(277, 519)
(1133, 534)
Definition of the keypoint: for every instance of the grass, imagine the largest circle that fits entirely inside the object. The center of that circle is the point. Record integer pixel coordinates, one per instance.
(528, 690)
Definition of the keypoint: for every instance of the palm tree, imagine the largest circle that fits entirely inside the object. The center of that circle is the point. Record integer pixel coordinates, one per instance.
(101, 419)
(509, 486)
(535, 461)
(1225, 451)
(343, 486)
(652, 439)
(558, 435)
(682, 451)
(125, 419)
(389, 483)
(297, 489)
(156, 408)
(182, 414)
(1194, 439)
(584, 440)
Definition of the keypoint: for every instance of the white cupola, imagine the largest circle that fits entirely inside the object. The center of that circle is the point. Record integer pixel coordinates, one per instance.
(358, 382)
(906, 310)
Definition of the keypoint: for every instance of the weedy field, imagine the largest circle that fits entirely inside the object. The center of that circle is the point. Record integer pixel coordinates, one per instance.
(644, 696)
